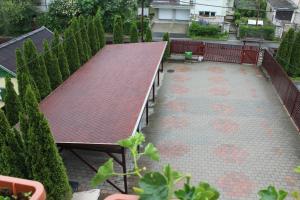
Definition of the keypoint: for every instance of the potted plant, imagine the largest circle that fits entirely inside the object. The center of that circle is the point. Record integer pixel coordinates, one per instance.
(20, 189)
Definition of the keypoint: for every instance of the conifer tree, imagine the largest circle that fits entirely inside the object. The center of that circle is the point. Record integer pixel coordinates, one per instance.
(148, 35)
(38, 72)
(166, 38)
(52, 66)
(96, 34)
(46, 164)
(71, 50)
(134, 35)
(77, 33)
(92, 36)
(12, 103)
(54, 43)
(295, 57)
(63, 62)
(284, 51)
(85, 37)
(118, 30)
(22, 71)
(100, 30)
(9, 151)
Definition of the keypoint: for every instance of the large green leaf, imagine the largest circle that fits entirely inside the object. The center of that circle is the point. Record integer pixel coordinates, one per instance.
(152, 152)
(271, 194)
(104, 172)
(172, 175)
(133, 141)
(297, 169)
(154, 186)
(202, 192)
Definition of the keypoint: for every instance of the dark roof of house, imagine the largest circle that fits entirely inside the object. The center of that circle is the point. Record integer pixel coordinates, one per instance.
(282, 4)
(7, 49)
(103, 101)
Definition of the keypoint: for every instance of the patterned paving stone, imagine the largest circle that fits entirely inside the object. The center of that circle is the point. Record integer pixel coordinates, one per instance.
(222, 123)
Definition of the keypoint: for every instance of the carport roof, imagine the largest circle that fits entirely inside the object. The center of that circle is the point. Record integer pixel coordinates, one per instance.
(282, 4)
(103, 101)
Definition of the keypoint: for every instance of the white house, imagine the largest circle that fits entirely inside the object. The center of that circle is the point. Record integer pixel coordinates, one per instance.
(186, 10)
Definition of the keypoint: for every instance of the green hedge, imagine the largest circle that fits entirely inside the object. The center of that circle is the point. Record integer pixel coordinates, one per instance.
(265, 32)
(197, 29)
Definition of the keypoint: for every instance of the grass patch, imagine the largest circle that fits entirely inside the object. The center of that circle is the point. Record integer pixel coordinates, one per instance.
(221, 37)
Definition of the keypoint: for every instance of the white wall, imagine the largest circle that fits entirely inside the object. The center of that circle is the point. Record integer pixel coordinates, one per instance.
(219, 11)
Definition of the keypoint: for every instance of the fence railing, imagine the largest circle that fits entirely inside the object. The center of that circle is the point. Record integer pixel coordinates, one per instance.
(217, 52)
(284, 86)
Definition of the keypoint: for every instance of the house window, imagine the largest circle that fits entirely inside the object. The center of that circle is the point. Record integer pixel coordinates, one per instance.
(207, 14)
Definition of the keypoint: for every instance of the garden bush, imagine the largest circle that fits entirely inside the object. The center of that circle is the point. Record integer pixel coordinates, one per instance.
(197, 29)
(265, 32)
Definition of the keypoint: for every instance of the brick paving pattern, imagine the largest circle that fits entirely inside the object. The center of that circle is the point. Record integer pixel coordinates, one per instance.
(222, 123)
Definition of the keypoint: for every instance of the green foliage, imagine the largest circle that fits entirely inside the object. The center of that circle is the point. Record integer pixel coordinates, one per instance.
(54, 43)
(71, 50)
(284, 50)
(77, 33)
(10, 151)
(196, 29)
(100, 30)
(12, 103)
(45, 162)
(134, 35)
(272, 194)
(294, 63)
(247, 8)
(167, 53)
(24, 78)
(93, 38)
(118, 30)
(59, 14)
(85, 37)
(263, 32)
(16, 18)
(155, 185)
(202, 191)
(63, 62)
(52, 66)
(36, 67)
(148, 35)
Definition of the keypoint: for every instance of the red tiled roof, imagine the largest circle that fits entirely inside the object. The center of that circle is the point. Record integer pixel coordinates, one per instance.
(101, 102)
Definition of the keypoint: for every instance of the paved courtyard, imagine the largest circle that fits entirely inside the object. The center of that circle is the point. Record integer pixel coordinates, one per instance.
(222, 123)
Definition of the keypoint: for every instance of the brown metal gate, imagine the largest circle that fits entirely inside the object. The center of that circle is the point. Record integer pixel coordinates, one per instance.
(217, 52)
(222, 53)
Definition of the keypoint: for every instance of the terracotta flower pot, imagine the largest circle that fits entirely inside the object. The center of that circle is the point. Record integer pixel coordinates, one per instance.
(16, 185)
(122, 197)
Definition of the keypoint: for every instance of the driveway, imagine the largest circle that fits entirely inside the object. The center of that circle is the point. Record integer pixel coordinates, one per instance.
(224, 124)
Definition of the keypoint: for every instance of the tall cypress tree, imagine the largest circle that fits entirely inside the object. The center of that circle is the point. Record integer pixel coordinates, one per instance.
(97, 34)
(134, 35)
(100, 30)
(85, 37)
(52, 66)
(38, 72)
(12, 103)
(54, 43)
(46, 163)
(77, 33)
(295, 57)
(284, 51)
(9, 154)
(148, 35)
(70, 47)
(118, 30)
(166, 38)
(22, 71)
(92, 36)
(63, 62)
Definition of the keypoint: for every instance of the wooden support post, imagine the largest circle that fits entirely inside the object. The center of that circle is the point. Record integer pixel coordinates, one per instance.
(153, 92)
(147, 112)
(158, 78)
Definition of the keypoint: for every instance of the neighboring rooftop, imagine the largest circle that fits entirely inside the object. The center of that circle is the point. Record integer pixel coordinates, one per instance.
(282, 4)
(7, 49)
(103, 101)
